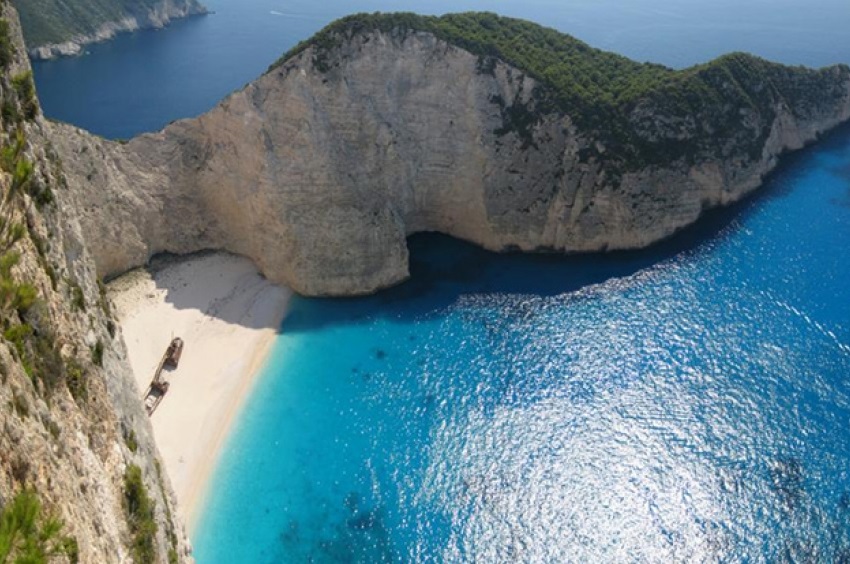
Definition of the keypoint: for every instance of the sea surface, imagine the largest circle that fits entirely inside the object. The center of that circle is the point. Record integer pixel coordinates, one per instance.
(686, 403)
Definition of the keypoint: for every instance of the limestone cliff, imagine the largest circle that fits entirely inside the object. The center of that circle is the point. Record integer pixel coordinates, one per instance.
(321, 168)
(54, 28)
(72, 428)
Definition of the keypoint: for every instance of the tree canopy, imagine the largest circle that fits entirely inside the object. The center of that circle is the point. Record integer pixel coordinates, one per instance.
(600, 90)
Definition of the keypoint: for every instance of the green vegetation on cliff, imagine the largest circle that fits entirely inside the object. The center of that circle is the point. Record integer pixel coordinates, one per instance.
(28, 537)
(60, 426)
(22, 320)
(56, 21)
(140, 516)
(581, 75)
(21, 312)
(616, 99)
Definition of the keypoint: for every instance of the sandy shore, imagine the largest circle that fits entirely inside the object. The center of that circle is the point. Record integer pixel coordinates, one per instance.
(228, 316)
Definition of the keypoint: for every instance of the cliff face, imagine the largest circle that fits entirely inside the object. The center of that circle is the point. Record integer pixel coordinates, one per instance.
(319, 170)
(54, 28)
(72, 427)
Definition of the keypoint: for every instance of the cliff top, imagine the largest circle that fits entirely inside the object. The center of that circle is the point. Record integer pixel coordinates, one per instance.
(606, 93)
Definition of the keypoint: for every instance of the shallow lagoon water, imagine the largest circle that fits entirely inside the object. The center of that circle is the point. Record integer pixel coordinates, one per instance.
(688, 403)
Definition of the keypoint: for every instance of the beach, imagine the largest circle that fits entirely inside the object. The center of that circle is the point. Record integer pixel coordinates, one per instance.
(228, 316)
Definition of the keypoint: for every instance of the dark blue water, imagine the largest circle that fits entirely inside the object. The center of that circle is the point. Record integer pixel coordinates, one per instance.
(142, 81)
(688, 403)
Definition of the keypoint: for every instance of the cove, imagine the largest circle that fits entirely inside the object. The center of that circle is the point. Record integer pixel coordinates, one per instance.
(689, 402)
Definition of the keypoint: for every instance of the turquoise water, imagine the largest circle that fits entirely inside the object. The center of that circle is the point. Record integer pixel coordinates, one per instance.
(141, 81)
(690, 403)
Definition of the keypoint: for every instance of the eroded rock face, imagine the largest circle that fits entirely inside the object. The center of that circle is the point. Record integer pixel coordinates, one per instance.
(71, 421)
(319, 171)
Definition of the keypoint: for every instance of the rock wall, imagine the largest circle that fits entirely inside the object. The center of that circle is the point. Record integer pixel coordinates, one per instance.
(156, 17)
(71, 420)
(320, 169)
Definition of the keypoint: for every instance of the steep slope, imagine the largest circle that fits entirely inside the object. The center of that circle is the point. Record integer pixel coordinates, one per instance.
(61, 27)
(73, 435)
(489, 129)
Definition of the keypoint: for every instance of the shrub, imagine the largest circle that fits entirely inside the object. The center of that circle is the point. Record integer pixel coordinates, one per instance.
(7, 49)
(14, 296)
(78, 300)
(132, 442)
(41, 194)
(21, 177)
(38, 354)
(140, 516)
(97, 353)
(9, 110)
(54, 428)
(25, 89)
(48, 367)
(10, 154)
(40, 244)
(71, 549)
(8, 261)
(16, 233)
(17, 336)
(27, 536)
(25, 297)
(76, 381)
(51, 273)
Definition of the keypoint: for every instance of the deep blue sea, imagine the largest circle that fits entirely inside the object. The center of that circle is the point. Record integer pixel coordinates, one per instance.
(686, 403)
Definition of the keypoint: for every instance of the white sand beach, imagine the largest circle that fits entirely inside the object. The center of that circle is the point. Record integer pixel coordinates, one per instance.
(227, 315)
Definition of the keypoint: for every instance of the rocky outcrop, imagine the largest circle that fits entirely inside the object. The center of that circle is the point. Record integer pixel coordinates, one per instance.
(154, 16)
(320, 169)
(71, 422)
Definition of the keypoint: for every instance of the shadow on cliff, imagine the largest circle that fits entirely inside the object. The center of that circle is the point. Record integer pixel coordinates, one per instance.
(443, 269)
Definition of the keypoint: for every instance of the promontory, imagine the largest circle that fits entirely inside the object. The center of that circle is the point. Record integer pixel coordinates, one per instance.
(490, 129)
